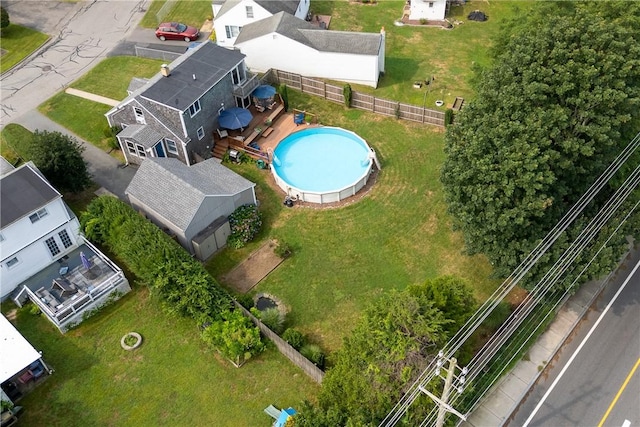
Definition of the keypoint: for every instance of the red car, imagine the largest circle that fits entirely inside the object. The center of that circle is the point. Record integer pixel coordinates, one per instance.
(176, 31)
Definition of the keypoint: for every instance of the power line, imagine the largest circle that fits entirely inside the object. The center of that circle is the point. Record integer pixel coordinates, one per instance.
(519, 273)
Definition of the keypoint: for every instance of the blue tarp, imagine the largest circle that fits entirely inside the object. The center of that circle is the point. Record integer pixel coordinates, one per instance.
(284, 416)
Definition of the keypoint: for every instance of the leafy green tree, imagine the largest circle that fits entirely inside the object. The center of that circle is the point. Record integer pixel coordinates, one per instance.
(59, 158)
(235, 337)
(559, 103)
(396, 338)
(4, 18)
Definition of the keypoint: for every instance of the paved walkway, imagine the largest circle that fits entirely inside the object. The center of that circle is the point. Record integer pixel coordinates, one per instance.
(92, 97)
(505, 396)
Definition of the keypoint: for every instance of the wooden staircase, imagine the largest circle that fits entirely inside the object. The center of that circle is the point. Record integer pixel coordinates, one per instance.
(221, 147)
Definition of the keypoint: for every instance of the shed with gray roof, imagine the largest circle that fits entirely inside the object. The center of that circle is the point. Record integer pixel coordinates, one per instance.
(186, 200)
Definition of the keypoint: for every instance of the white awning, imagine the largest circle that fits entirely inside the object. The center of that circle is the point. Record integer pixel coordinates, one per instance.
(15, 351)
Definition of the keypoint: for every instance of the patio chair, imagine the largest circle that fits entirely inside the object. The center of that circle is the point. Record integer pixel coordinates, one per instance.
(272, 411)
(36, 369)
(270, 106)
(222, 133)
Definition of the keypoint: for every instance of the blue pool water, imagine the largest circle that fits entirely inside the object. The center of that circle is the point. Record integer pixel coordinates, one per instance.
(321, 159)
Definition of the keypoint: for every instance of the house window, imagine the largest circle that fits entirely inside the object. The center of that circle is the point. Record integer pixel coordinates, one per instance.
(40, 214)
(200, 132)
(1, 238)
(53, 246)
(171, 146)
(12, 262)
(66, 240)
(249, 11)
(139, 115)
(194, 108)
(232, 31)
(430, 4)
(140, 151)
(131, 147)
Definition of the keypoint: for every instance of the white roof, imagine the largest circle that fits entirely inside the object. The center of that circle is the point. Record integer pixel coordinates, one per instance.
(15, 351)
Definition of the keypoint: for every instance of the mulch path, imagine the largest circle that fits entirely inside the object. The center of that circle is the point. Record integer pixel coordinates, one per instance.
(253, 269)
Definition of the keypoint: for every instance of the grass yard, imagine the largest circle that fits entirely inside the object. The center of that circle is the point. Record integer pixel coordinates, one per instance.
(14, 143)
(120, 70)
(397, 235)
(86, 118)
(193, 12)
(172, 379)
(415, 53)
(17, 43)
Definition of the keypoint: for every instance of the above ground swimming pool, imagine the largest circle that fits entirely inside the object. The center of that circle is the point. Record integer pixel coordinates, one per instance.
(322, 164)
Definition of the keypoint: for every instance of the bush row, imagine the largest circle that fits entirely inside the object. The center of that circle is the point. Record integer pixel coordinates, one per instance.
(183, 285)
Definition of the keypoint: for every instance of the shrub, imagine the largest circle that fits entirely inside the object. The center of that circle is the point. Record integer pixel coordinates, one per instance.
(235, 336)
(245, 300)
(314, 354)
(4, 18)
(273, 319)
(423, 21)
(348, 95)
(294, 338)
(245, 225)
(448, 117)
(283, 250)
(35, 310)
(282, 90)
(110, 133)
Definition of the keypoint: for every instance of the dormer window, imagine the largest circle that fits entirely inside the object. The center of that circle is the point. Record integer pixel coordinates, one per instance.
(139, 115)
(249, 10)
(194, 108)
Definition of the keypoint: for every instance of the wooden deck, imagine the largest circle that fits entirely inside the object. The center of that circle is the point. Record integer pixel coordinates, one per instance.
(266, 140)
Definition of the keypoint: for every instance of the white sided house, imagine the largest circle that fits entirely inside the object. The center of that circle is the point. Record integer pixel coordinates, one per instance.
(287, 43)
(36, 226)
(191, 203)
(231, 15)
(434, 10)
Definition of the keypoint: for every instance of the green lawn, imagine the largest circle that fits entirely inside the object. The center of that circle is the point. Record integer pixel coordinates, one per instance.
(397, 235)
(14, 143)
(417, 53)
(86, 118)
(172, 379)
(193, 12)
(120, 70)
(17, 43)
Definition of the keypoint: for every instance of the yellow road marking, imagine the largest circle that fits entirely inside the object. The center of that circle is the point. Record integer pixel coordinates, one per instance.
(615, 399)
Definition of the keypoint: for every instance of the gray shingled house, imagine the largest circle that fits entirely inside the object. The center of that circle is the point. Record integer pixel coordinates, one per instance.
(191, 203)
(175, 113)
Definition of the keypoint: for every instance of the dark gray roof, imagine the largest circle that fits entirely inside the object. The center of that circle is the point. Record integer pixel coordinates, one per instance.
(176, 191)
(208, 62)
(143, 134)
(23, 191)
(312, 36)
(273, 6)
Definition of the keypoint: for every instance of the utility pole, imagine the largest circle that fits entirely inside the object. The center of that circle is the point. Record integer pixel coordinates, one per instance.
(442, 402)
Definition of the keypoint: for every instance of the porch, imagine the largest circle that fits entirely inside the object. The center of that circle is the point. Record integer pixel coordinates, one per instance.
(66, 289)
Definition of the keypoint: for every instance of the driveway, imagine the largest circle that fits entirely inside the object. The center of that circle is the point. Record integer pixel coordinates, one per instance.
(81, 33)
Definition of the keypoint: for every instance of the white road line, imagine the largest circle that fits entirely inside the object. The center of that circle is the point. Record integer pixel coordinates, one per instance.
(575, 354)
(626, 423)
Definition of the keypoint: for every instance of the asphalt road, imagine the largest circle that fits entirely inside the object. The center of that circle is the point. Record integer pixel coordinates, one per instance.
(81, 33)
(595, 379)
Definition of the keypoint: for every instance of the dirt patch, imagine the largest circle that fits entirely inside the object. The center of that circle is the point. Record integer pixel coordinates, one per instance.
(253, 269)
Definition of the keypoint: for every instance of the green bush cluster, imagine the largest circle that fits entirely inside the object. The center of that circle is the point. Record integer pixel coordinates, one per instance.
(314, 353)
(294, 338)
(183, 285)
(245, 224)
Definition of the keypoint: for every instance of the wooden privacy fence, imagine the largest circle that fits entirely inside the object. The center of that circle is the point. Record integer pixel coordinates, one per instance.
(286, 349)
(359, 100)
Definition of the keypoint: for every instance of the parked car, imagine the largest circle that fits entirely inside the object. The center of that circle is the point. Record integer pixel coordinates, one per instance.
(176, 31)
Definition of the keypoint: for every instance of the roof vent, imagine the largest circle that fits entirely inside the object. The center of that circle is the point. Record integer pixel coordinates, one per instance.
(164, 70)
